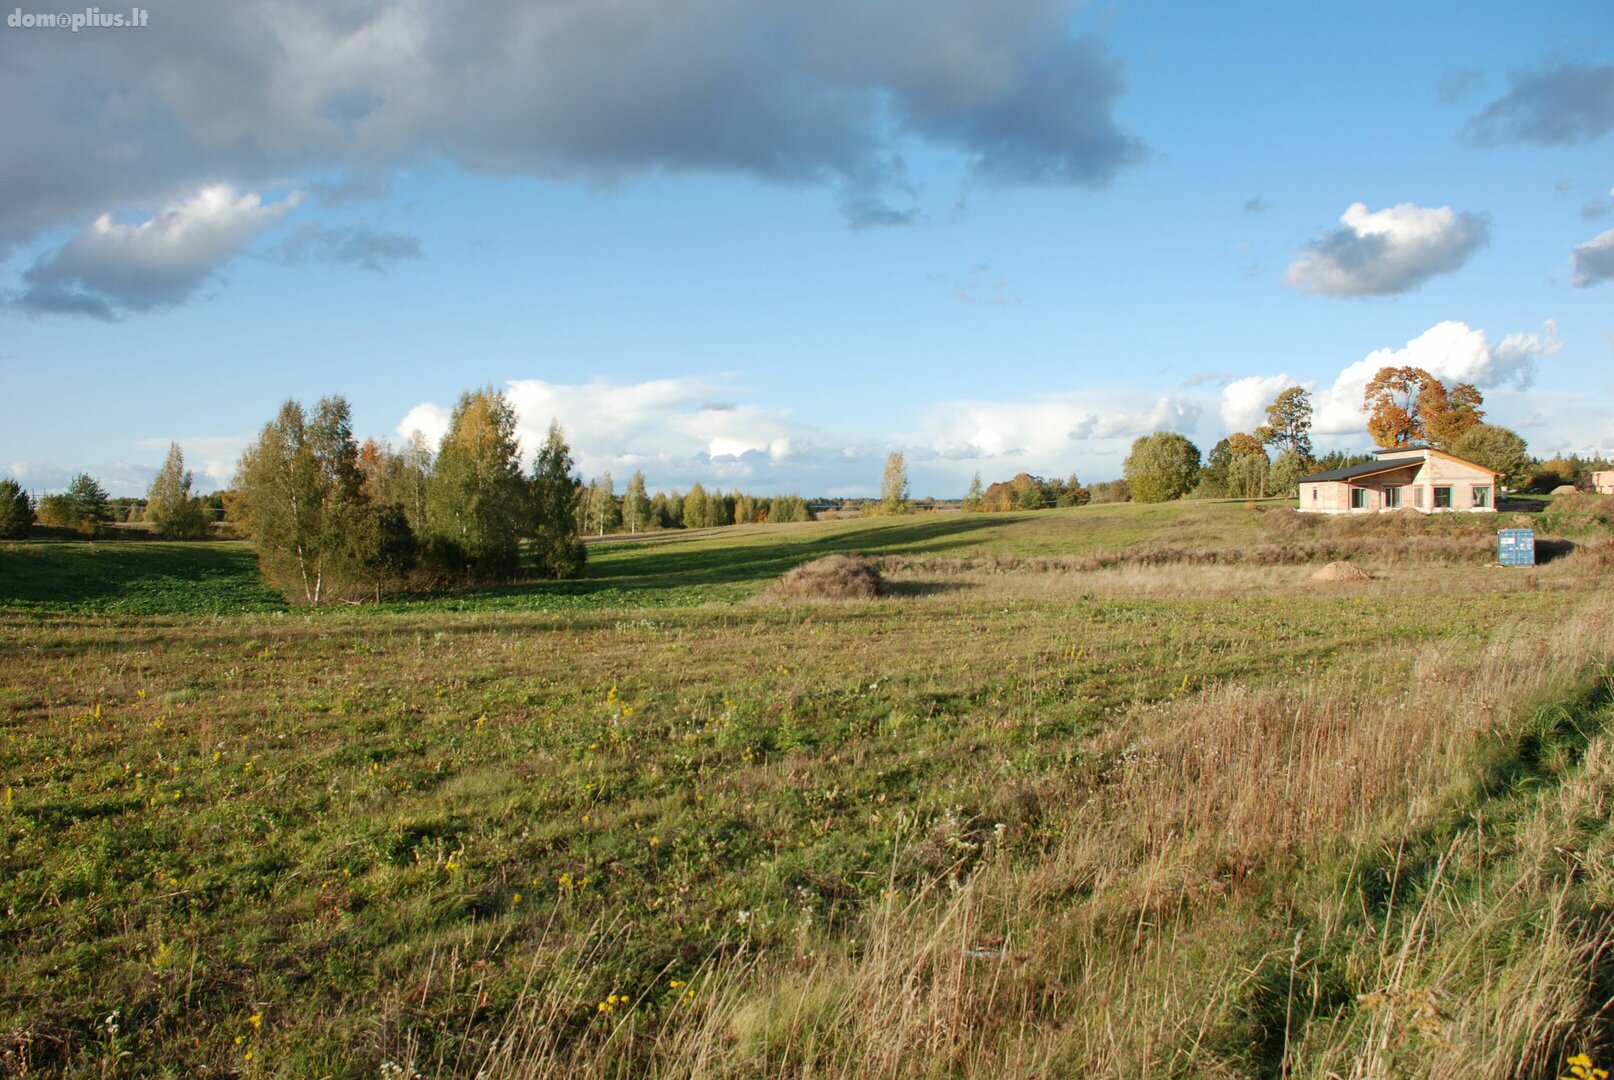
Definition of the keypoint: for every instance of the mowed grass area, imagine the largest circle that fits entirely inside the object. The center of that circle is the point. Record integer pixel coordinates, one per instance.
(1169, 820)
(133, 577)
(673, 568)
(676, 568)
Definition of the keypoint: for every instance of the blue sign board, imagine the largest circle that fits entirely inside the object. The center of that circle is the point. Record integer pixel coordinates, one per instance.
(1516, 547)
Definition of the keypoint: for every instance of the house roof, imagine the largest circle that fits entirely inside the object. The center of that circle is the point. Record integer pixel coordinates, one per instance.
(1351, 472)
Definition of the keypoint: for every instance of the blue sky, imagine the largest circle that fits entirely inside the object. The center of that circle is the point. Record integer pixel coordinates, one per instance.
(760, 245)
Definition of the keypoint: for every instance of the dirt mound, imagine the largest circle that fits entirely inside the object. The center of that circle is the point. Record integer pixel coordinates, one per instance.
(834, 577)
(1342, 571)
(1566, 489)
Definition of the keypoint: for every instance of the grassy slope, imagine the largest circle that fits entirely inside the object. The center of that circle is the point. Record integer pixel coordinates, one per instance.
(372, 830)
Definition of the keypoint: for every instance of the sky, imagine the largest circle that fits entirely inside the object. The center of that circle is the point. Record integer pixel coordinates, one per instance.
(761, 244)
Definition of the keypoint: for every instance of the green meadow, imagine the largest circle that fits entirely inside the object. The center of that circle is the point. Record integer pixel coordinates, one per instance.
(1111, 791)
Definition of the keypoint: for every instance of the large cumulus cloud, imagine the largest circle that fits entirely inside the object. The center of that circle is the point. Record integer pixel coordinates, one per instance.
(1453, 352)
(258, 94)
(1389, 251)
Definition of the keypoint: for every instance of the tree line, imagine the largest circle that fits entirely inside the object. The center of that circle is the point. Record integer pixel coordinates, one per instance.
(170, 508)
(1404, 406)
(332, 517)
(601, 511)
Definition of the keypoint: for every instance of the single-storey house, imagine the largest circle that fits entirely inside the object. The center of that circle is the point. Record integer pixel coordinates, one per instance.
(1603, 482)
(1403, 478)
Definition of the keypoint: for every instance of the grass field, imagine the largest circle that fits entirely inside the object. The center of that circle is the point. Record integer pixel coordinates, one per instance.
(1115, 791)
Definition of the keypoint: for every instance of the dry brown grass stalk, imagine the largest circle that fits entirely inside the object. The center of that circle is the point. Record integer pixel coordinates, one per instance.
(1145, 942)
(833, 577)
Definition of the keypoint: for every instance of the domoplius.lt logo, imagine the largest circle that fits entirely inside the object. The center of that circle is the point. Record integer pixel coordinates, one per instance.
(73, 21)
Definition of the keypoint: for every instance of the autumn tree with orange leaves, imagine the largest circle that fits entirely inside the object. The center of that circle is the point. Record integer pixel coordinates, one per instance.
(1408, 405)
(1448, 415)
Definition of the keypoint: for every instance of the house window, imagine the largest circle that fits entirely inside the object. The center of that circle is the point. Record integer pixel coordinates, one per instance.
(1482, 495)
(1392, 498)
(1443, 498)
(1417, 497)
(1358, 498)
(1314, 493)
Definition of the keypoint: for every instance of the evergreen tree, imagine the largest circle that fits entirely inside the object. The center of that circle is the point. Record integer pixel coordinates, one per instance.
(84, 507)
(16, 511)
(636, 505)
(660, 512)
(722, 508)
(378, 549)
(894, 485)
(174, 513)
(556, 544)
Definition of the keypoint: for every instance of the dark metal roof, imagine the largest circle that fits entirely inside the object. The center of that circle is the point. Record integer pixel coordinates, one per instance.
(1370, 468)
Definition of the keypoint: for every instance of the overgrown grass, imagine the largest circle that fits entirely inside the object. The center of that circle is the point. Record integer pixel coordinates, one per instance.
(1149, 819)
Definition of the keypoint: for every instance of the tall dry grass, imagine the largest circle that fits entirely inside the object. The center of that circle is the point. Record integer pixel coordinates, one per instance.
(1395, 870)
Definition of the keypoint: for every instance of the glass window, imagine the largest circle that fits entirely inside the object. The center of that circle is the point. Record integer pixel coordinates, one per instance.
(1392, 498)
(1417, 496)
(1314, 493)
(1443, 498)
(1482, 495)
(1358, 498)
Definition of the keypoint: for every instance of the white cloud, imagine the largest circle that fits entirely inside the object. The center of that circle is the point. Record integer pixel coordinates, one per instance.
(1594, 260)
(1452, 352)
(1053, 432)
(1383, 252)
(1245, 401)
(109, 268)
(427, 418)
(212, 458)
(681, 430)
(674, 429)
